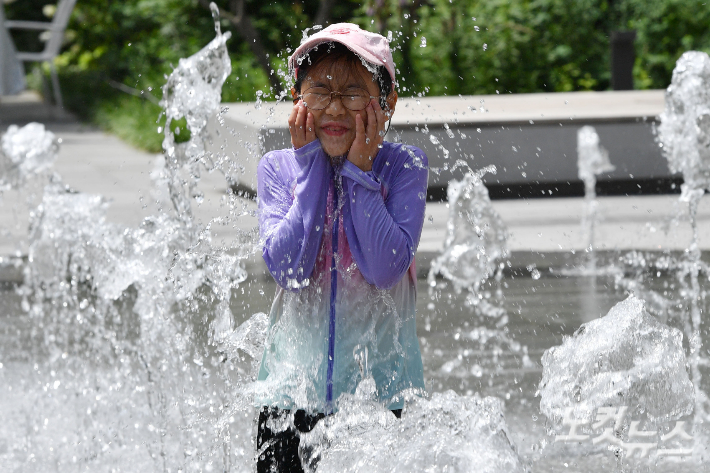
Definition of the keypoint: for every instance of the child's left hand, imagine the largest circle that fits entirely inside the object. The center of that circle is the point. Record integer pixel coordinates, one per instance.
(368, 139)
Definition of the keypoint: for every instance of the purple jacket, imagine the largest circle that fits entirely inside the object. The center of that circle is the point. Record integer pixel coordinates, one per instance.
(342, 241)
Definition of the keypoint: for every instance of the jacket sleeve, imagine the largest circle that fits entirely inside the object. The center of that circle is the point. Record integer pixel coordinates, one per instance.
(384, 232)
(291, 221)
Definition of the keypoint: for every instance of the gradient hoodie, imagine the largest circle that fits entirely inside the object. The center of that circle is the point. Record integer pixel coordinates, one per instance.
(340, 243)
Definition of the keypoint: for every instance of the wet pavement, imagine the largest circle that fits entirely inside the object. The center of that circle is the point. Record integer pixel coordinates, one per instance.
(541, 311)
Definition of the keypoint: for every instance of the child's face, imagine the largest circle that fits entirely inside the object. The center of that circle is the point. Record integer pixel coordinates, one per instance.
(335, 124)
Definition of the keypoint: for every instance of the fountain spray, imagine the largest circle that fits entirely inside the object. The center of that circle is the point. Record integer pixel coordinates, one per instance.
(684, 136)
(476, 237)
(592, 159)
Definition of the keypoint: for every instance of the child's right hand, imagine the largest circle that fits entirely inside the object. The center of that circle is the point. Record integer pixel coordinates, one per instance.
(300, 124)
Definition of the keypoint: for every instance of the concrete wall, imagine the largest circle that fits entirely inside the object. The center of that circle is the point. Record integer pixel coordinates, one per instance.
(530, 138)
(539, 153)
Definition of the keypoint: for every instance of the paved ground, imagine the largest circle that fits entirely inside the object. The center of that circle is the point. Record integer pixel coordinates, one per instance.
(94, 162)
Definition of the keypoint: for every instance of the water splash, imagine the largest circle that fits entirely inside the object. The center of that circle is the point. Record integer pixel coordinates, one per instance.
(684, 136)
(132, 329)
(476, 238)
(26, 152)
(462, 430)
(592, 159)
(625, 358)
(133, 326)
(194, 92)
(684, 131)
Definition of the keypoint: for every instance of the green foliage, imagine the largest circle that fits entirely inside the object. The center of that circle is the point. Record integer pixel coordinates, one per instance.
(246, 78)
(665, 30)
(489, 46)
(136, 43)
(133, 120)
(471, 47)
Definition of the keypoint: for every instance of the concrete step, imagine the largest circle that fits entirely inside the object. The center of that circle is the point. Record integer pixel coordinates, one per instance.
(27, 107)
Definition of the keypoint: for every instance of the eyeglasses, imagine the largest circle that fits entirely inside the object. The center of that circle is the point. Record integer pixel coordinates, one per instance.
(354, 98)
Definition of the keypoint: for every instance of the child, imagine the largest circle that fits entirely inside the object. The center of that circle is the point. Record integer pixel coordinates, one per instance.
(340, 216)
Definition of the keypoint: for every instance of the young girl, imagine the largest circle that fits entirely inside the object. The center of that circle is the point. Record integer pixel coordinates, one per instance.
(340, 216)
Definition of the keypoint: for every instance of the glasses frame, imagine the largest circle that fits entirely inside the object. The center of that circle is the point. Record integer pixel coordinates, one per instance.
(333, 92)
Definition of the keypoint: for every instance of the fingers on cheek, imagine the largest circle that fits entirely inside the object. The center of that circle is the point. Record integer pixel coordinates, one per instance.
(372, 121)
(301, 119)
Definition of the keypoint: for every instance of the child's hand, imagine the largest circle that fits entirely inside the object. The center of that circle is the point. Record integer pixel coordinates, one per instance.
(367, 141)
(300, 124)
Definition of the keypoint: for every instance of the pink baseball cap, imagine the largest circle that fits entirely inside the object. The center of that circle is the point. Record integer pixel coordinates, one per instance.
(371, 47)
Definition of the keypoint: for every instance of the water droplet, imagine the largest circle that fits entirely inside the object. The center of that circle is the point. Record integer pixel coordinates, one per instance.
(477, 371)
(578, 393)
(449, 133)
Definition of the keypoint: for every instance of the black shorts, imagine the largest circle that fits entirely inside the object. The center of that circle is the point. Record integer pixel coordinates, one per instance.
(280, 449)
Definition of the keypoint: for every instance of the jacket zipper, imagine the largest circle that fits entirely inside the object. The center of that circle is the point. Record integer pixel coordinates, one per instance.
(333, 291)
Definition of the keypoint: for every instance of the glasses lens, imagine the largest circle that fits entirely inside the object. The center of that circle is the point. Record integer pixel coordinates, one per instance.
(317, 99)
(355, 99)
